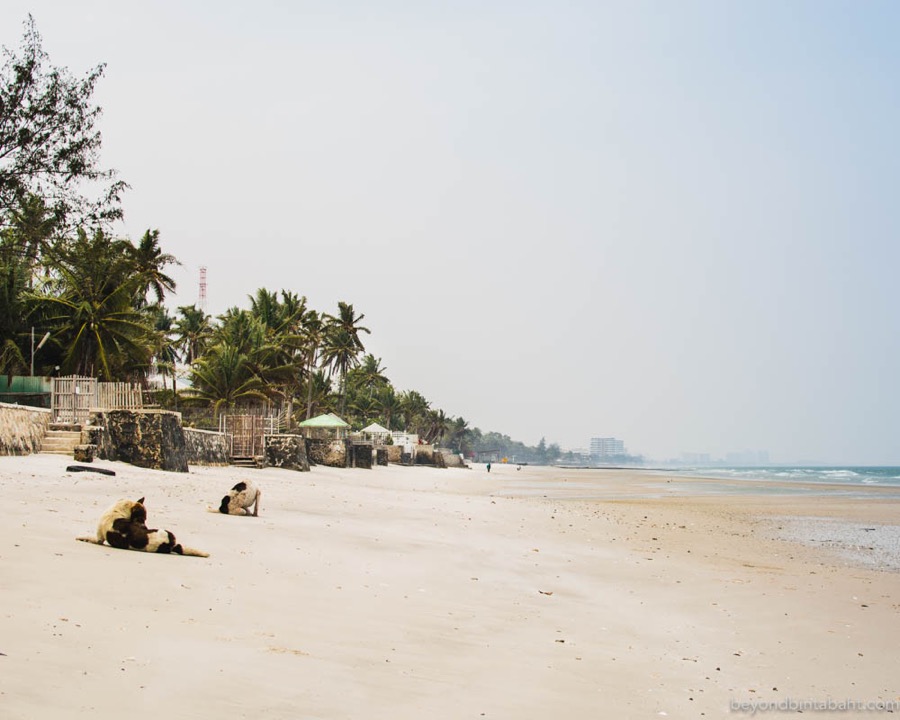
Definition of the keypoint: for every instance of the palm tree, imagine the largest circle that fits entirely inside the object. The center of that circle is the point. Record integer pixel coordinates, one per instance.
(318, 396)
(90, 301)
(104, 336)
(414, 406)
(459, 435)
(264, 306)
(240, 329)
(313, 333)
(348, 320)
(149, 261)
(193, 331)
(389, 406)
(339, 354)
(342, 343)
(365, 409)
(166, 355)
(437, 424)
(281, 362)
(371, 373)
(223, 377)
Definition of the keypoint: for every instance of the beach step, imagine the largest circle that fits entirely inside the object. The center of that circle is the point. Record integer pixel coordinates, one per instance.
(247, 462)
(61, 442)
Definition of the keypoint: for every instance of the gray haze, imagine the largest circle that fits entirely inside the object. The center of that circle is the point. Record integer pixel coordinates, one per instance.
(672, 223)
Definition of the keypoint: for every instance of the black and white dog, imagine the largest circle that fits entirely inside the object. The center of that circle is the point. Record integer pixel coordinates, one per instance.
(239, 500)
(124, 526)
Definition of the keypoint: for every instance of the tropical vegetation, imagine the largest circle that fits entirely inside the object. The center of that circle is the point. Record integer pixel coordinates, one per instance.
(101, 299)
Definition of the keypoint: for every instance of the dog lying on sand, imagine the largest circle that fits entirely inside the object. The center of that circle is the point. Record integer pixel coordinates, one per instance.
(124, 526)
(239, 499)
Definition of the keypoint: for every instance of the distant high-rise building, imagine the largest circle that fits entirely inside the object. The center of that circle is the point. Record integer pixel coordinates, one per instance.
(748, 457)
(606, 447)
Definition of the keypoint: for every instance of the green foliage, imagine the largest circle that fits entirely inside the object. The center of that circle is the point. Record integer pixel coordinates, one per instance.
(148, 262)
(13, 312)
(225, 378)
(193, 330)
(342, 344)
(91, 302)
(49, 143)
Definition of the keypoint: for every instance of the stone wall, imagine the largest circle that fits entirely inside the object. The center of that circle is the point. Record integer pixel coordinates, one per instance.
(22, 429)
(423, 455)
(332, 453)
(287, 451)
(361, 456)
(206, 447)
(146, 438)
(452, 459)
(394, 453)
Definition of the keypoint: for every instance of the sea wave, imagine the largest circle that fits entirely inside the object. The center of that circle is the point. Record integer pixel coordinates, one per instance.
(888, 476)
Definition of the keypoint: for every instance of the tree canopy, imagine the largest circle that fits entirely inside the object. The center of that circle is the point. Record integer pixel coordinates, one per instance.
(49, 140)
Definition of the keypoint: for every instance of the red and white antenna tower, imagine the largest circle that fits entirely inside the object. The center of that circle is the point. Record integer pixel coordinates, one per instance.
(202, 301)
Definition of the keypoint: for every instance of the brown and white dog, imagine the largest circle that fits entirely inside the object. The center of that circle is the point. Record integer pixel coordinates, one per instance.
(239, 499)
(124, 526)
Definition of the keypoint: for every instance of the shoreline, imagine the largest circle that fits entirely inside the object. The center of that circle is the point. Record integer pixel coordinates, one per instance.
(397, 593)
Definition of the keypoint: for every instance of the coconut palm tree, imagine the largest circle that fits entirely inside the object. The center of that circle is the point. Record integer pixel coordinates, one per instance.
(149, 261)
(365, 409)
(364, 380)
(90, 302)
(437, 424)
(166, 355)
(313, 333)
(459, 435)
(339, 354)
(343, 344)
(193, 332)
(224, 378)
(318, 396)
(348, 321)
(282, 362)
(389, 406)
(413, 408)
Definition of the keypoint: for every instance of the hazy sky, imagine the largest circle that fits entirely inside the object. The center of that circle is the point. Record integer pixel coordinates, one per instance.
(675, 223)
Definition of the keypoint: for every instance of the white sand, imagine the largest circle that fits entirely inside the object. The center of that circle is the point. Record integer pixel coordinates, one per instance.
(411, 593)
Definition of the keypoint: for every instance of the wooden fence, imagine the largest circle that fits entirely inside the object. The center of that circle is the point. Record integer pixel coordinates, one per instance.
(73, 397)
(246, 433)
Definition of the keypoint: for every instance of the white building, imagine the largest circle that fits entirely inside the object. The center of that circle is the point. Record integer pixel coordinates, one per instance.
(606, 447)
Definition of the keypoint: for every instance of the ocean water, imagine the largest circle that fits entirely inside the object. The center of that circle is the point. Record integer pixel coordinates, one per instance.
(836, 475)
(590, 483)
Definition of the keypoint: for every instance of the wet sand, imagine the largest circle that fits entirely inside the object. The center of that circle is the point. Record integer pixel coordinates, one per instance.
(415, 592)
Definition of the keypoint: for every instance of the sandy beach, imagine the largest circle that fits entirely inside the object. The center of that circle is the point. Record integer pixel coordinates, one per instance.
(403, 593)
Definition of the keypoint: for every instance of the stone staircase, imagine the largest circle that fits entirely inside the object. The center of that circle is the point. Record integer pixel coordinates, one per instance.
(61, 439)
(246, 462)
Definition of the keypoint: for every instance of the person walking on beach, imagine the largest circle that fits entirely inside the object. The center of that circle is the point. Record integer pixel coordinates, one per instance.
(489, 466)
